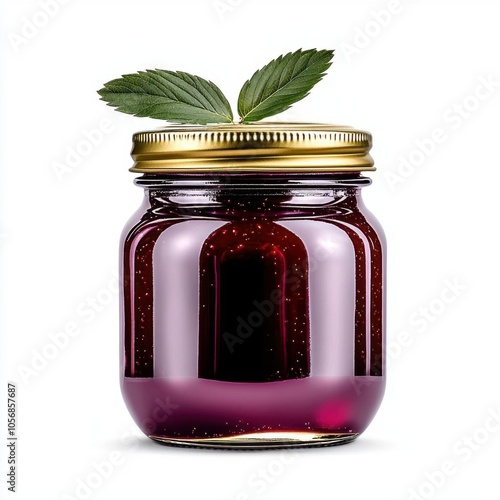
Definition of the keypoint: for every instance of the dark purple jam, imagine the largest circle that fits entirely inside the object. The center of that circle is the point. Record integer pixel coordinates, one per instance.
(253, 313)
(254, 321)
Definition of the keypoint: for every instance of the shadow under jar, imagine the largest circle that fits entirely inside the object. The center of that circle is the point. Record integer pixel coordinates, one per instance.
(252, 287)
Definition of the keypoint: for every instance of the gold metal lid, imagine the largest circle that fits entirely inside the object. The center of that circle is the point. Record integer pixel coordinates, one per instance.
(265, 146)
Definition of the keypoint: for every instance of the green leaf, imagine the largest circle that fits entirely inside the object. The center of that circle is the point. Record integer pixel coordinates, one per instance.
(281, 83)
(167, 95)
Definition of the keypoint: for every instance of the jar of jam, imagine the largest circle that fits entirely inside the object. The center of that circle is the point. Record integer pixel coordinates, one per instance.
(252, 287)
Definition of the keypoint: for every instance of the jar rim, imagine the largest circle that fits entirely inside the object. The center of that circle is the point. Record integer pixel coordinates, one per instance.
(256, 147)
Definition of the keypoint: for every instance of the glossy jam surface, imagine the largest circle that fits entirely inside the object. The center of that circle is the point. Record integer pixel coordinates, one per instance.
(252, 309)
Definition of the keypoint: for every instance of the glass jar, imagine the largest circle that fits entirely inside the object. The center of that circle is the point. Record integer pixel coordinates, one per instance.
(252, 287)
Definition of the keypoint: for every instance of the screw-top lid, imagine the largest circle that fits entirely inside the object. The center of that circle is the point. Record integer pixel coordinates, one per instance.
(265, 146)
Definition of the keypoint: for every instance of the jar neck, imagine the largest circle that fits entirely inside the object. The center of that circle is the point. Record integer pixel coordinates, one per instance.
(250, 181)
(252, 196)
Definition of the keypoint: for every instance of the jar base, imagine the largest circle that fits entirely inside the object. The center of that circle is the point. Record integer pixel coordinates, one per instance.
(262, 440)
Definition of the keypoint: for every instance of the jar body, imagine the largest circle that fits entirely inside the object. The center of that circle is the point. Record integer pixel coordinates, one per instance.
(252, 310)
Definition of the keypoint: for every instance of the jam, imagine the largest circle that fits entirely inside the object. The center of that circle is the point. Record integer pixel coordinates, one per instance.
(254, 321)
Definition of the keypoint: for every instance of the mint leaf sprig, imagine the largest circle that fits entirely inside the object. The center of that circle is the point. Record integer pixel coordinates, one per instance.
(179, 97)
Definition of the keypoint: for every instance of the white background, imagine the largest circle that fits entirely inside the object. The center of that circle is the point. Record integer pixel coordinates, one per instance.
(418, 69)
